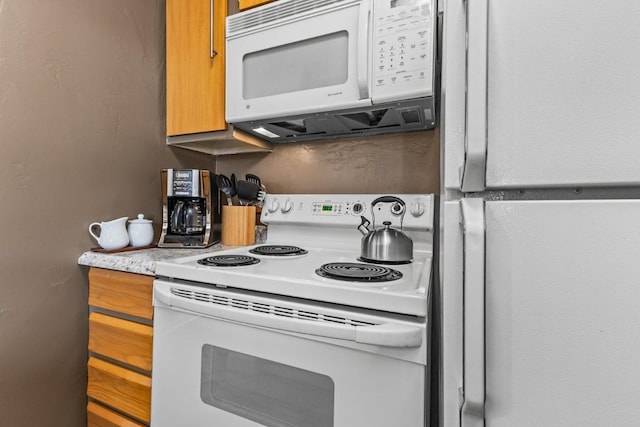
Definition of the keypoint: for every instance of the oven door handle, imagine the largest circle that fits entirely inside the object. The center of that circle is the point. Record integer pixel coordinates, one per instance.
(385, 334)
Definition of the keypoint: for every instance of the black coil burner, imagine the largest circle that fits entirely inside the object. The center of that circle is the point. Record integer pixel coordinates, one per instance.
(228, 260)
(278, 250)
(357, 272)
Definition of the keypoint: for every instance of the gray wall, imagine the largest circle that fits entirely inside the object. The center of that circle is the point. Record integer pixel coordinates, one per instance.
(82, 140)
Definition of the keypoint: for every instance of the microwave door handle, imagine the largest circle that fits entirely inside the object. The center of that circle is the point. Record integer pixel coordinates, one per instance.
(363, 49)
(474, 170)
(473, 223)
(387, 334)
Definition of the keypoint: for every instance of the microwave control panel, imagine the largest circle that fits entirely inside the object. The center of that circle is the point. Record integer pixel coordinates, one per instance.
(403, 49)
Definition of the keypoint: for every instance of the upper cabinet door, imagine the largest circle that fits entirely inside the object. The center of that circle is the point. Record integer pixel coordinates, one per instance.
(246, 4)
(195, 38)
(553, 93)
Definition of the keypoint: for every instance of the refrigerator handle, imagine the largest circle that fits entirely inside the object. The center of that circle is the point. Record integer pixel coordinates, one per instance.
(473, 222)
(474, 170)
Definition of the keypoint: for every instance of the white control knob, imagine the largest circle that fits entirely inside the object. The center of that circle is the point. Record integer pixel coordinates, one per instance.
(288, 205)
(273, 206)
(417, 208)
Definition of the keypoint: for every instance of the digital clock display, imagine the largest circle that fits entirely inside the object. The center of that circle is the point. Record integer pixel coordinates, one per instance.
(327, 208)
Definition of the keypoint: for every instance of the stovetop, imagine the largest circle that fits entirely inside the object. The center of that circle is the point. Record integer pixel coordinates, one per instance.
(324, 239)
(296, 276)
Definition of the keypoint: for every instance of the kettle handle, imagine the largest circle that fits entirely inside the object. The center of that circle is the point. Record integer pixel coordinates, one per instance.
(364, 225)
(387, 199)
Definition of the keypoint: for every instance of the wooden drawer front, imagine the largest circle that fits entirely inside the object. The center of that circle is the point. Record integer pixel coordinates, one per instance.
(120, 388)
(122, 340)
(99, 416)
(126, 293)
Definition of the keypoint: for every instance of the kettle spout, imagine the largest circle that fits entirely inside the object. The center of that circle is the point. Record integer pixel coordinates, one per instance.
(364, 226)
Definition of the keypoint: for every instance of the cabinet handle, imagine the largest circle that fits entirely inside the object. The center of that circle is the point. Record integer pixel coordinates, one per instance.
(212, 52)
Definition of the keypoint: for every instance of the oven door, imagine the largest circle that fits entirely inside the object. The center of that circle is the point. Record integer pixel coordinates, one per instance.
(208, 370)
(303, 63)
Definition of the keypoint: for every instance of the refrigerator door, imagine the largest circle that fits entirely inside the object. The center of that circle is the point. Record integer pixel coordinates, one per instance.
(552, 96)
(561, 326)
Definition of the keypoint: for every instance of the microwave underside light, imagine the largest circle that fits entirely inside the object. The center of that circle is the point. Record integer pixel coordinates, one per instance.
(396, 117)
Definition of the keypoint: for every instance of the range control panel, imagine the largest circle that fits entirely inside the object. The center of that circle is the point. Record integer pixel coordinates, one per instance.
(410, 210)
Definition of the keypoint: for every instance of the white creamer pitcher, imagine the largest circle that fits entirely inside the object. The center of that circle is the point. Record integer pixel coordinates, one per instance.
(113, 234)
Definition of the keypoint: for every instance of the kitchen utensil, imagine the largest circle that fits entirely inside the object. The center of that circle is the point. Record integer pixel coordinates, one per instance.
(260, 199)
(253, 178)
(140, 231)
(247, 192)
(113, 234)
(386, 244)
(234, 185)
(224, 184)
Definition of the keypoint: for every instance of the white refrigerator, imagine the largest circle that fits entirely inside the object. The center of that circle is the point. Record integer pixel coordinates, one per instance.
(540, 214)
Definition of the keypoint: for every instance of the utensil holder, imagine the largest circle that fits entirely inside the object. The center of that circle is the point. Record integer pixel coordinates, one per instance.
(238, 225)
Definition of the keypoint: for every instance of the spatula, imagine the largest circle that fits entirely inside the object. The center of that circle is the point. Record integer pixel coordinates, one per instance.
(224, 184)
(247, 192)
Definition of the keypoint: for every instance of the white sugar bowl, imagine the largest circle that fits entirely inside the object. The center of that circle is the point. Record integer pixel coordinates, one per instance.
(140, 231)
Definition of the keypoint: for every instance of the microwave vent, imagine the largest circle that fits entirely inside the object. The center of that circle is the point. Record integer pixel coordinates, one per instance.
(278, 11)
(395, 117)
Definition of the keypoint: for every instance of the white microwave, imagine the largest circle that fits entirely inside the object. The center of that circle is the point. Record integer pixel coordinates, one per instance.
(313, 69)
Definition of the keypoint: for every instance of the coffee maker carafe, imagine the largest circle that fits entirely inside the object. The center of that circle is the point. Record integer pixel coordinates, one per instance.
(189, 197)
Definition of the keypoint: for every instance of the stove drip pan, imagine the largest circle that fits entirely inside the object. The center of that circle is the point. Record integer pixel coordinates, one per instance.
(278, 250)
(228, 260)
(357, 272)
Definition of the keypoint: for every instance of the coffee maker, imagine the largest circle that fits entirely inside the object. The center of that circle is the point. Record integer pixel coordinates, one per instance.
(189, 198)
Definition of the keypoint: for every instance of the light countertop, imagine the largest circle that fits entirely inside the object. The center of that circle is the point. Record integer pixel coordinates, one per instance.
(141, 261)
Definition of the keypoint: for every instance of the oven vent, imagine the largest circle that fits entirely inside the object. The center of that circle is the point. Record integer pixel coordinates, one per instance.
(267, 309)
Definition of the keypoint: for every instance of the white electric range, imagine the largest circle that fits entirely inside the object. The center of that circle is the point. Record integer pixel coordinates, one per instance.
(289, 332)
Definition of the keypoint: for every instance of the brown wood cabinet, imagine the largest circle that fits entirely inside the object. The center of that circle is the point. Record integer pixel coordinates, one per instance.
(246, 4)
(195, 64)
(120, 349)
(123, 340)
(99, 416)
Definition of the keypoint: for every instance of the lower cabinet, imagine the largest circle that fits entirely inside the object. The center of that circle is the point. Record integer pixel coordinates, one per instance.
(120, 349)
(99, 416)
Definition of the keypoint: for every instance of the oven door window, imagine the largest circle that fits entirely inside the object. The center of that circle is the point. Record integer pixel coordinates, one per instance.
(267, 392)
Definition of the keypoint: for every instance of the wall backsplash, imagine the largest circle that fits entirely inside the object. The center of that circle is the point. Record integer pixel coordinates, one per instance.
(405, 163)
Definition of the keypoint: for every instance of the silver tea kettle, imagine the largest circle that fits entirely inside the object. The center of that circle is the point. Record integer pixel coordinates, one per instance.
(386, 244)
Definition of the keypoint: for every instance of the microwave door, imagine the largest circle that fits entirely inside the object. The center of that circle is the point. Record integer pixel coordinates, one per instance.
(315, 63)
